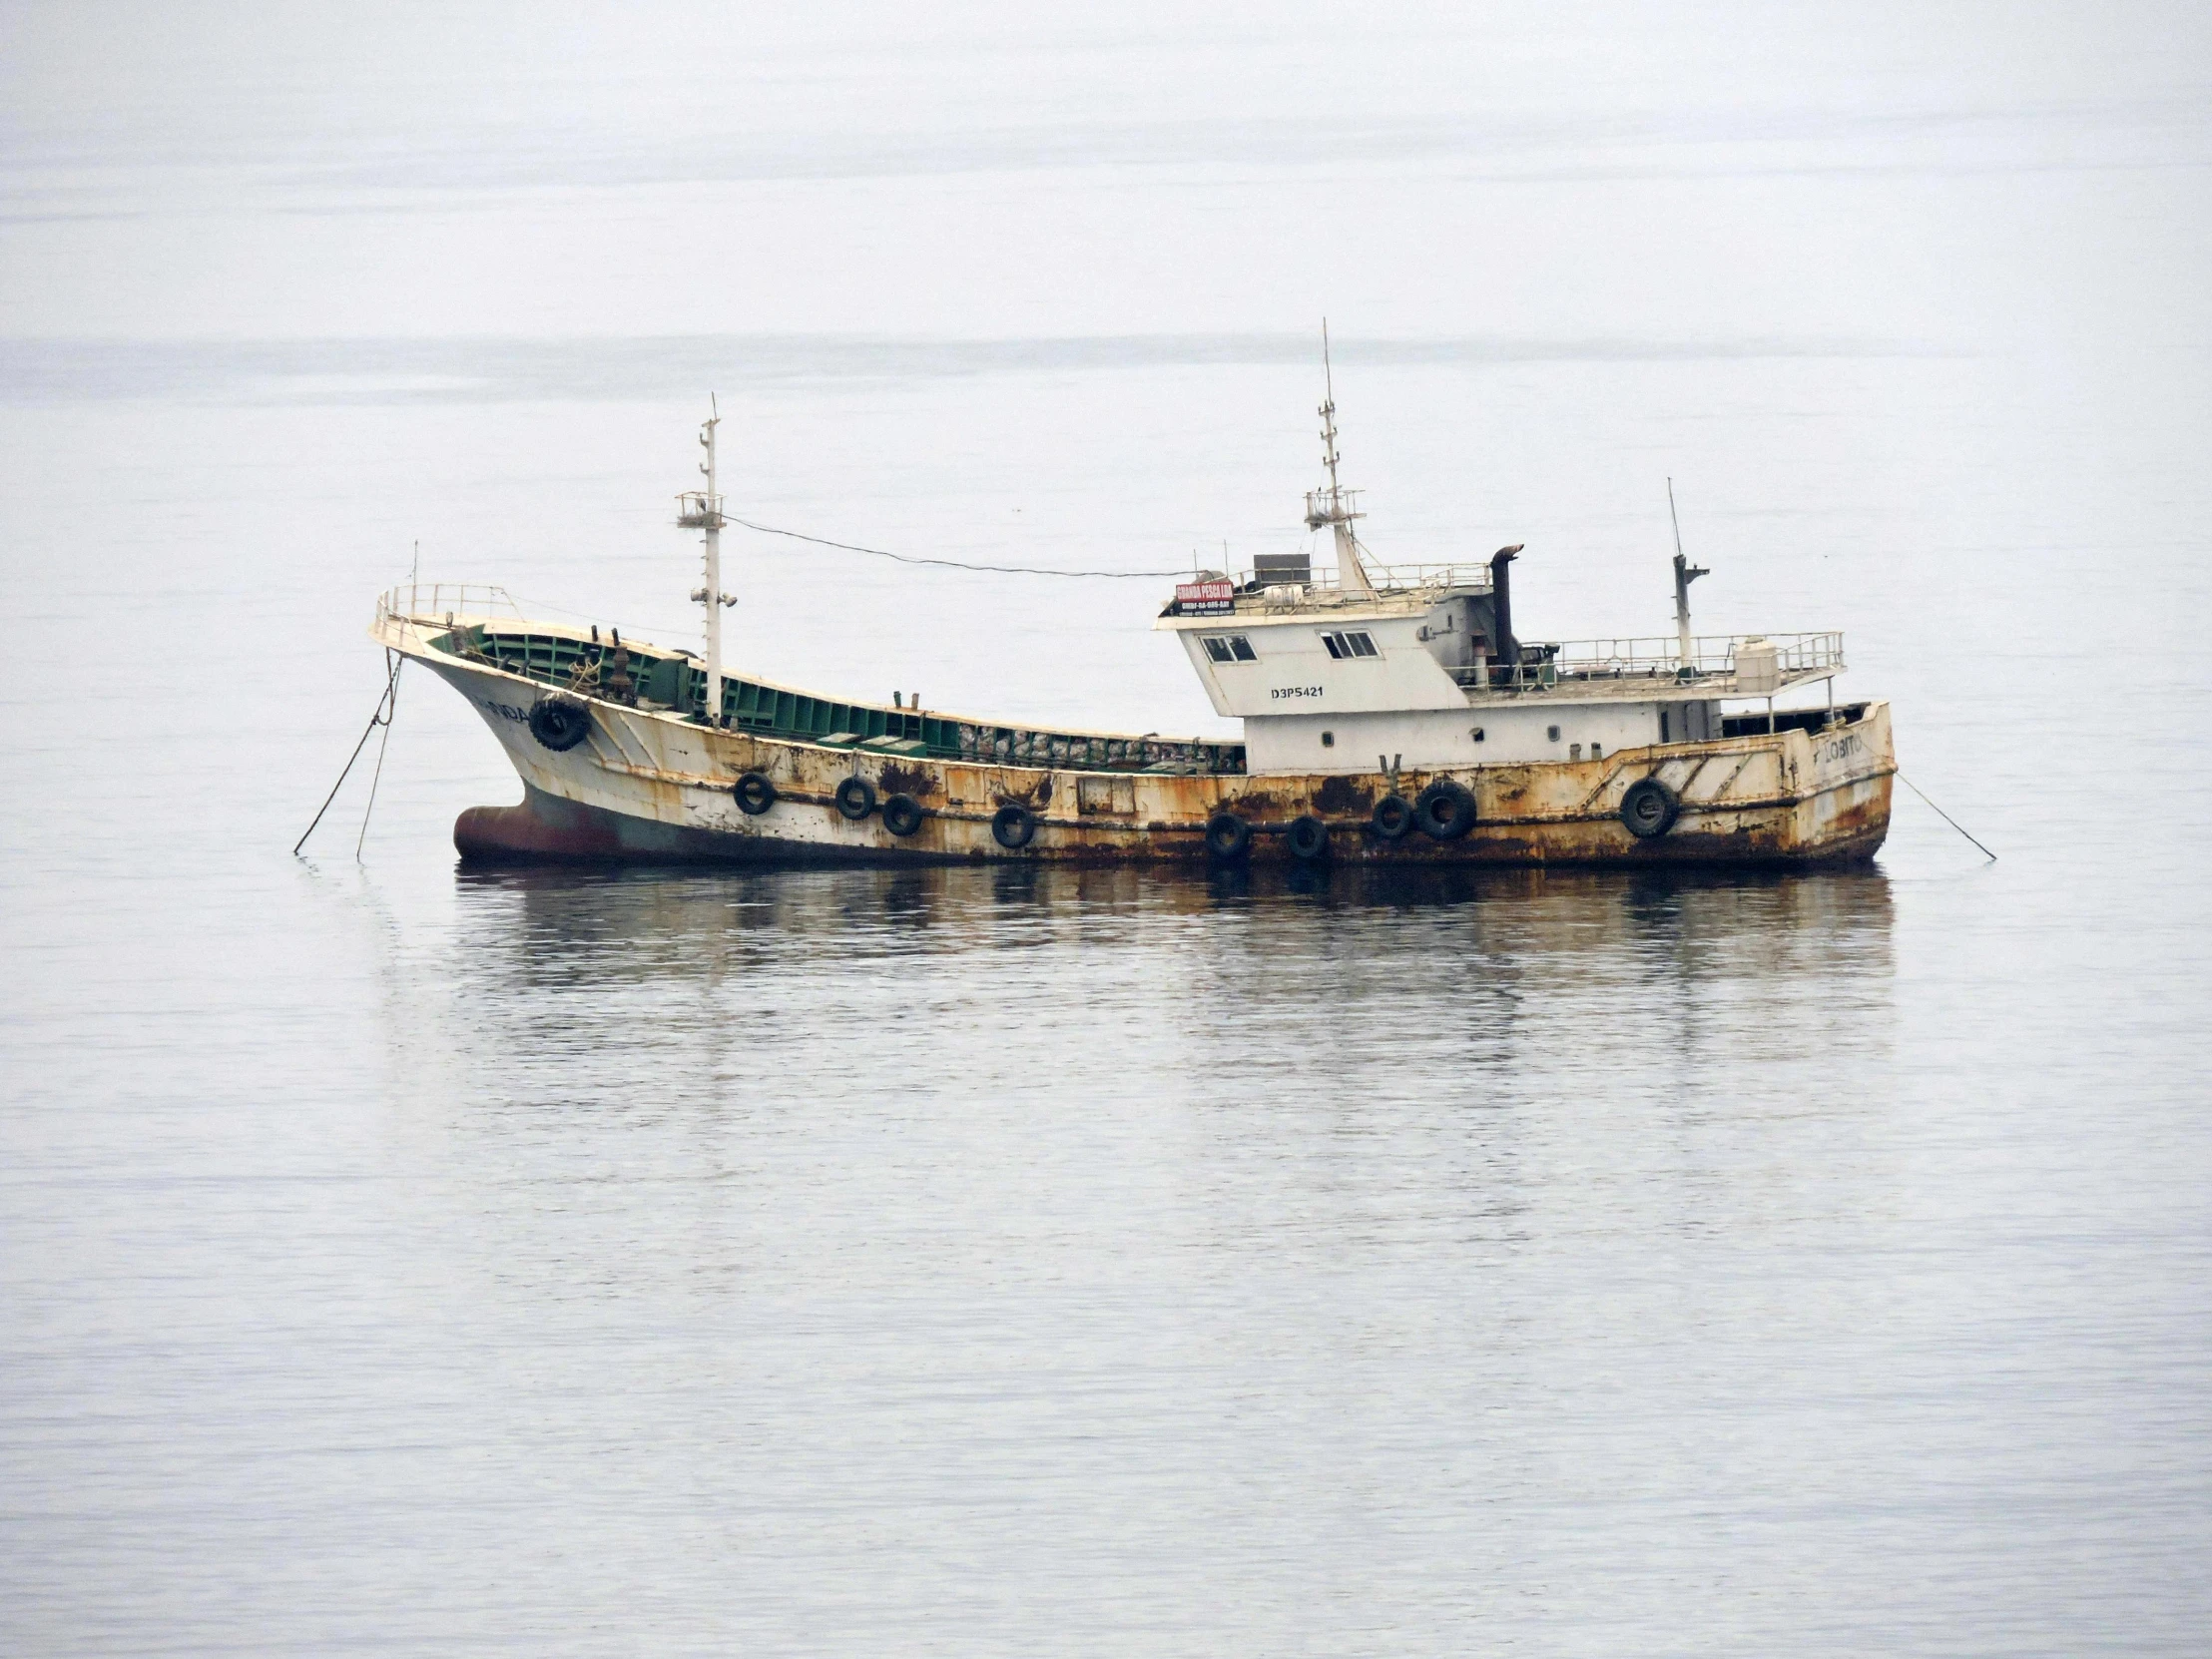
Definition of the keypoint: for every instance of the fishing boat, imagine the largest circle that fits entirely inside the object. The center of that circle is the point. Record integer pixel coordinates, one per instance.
(1391, 714)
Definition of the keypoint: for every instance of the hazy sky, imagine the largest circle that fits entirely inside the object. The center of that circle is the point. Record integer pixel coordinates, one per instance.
(1521, 171)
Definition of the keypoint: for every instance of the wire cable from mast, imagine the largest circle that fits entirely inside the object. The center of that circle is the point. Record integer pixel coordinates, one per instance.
(952, 564)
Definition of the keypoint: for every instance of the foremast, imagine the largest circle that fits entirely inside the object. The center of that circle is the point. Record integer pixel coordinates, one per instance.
(701, 510)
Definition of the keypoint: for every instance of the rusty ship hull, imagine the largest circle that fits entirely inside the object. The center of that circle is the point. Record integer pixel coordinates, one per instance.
(651, 782)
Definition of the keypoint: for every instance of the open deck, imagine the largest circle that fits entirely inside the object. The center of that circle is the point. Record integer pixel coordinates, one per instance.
(484, 625)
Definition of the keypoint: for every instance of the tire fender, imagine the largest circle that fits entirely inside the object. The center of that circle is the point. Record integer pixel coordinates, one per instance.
(1308, 838)
(1445, 810)
(1392, 819)
(1013, 825)
(856, 798)
(754, 794)
(559, 723)
(1649, 809)
(1228, 836)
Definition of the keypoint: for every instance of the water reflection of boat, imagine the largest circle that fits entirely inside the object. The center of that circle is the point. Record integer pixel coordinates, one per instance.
(1764, 924)
(769, 1055)
(1487, 749)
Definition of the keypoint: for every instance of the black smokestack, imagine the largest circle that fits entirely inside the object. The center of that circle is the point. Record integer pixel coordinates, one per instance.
(1501, 604)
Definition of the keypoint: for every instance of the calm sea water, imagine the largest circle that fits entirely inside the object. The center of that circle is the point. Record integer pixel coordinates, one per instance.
(399, 1258)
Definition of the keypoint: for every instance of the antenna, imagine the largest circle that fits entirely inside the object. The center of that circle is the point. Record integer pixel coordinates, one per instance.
(1334, 506)
(1328, 412)
(1684, 574)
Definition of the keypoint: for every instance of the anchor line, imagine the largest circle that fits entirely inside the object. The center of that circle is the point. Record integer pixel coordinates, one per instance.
(383, 743)
(383, 717)
(1946, 817)
(951, 564)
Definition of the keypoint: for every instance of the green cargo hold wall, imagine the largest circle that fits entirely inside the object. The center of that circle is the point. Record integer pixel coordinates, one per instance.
(572, 665)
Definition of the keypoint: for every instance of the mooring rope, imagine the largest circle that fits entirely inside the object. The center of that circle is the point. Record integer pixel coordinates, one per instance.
(385, 705)
(954, 564)
(383, 743)
(1946, 817)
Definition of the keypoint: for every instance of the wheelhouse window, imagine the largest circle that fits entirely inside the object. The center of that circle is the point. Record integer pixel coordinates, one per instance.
(1341, 646)
(1228, 648)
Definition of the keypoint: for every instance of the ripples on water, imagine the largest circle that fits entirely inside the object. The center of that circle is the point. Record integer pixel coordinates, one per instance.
(1012, 1254)
(1004, 1259)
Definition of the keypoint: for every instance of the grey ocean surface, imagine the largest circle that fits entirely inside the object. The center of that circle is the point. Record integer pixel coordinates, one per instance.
(401, 1258)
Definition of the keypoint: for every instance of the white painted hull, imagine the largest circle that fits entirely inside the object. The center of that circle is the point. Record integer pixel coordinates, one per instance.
(647, 785)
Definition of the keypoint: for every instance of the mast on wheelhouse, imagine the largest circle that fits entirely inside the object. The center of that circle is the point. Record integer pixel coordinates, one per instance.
(1335, 506)
(1684, 574)
(701, 510)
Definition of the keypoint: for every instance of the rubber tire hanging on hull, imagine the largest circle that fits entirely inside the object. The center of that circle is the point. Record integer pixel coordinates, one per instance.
(1012, 825)
(1445, 810)
(1228, 836)
(754, 794)
(1649, 809)
(559, 723)
(1308, 838)
(902, 815)
(856, 799)
(1392, 820)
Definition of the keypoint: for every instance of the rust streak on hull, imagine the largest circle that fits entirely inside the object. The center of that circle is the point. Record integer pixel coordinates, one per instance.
(547, 829)
(650, 787)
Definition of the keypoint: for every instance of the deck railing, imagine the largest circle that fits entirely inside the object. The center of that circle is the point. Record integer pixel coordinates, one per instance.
(1712, 658)
(1385, 577)
(1428, 577)
(1400, 587)
(436, 601)
(1709, 654)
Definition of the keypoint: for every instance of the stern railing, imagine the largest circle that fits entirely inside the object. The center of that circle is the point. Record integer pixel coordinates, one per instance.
(1711, 661)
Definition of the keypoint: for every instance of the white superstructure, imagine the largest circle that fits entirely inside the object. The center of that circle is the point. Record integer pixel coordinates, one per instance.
(1373, 666)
